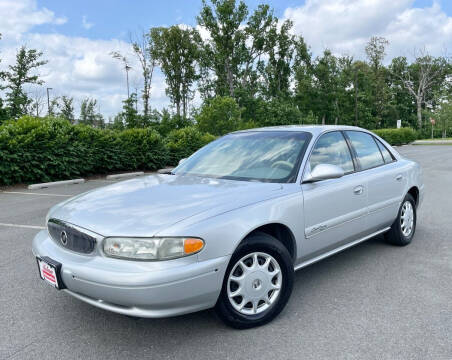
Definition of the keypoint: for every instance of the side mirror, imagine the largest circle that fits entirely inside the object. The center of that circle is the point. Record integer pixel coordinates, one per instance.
(181, 161)
(324, 172)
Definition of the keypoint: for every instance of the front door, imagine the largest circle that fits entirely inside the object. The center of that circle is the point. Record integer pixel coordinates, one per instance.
(335, 209)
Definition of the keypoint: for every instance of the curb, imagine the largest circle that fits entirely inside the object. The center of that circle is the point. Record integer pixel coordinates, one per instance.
(432, 142)
(55, 183)
(119, 176)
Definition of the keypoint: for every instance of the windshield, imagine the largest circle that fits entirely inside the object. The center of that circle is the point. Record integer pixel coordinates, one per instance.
(270, 156)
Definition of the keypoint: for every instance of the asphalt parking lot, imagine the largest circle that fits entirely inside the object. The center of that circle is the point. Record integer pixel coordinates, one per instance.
(373, 301)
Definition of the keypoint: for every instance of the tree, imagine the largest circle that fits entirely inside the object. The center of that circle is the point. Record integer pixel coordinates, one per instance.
(376, 52)
(222, 54)
(3, 112)
(236, 47)
(278, 111)
(444, 116)
(129, 113)
(325, 87)
(219, 116)
(38, 101)
(176, 51)
(89, 115)
(277, 72)
(143, 49)
(67, 108)
(420, 78)
(54, 106)
(18, 75)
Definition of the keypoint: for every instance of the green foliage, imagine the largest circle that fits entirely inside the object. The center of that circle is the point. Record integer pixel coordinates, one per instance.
(176, 51)
(169, 122)
(67, 108)
(278, 112)
(219, 116)
(18, 75)
(89, 114)
(182, 143)
(397, 136)
(130, 114)
(40, 150)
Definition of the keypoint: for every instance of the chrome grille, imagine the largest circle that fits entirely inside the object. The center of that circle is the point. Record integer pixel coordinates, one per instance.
(69, 237)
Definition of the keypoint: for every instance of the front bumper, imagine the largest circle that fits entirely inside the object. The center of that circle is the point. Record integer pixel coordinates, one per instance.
(137, 288)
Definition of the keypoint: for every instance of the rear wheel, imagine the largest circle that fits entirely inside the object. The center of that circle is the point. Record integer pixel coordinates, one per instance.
(403, 228)
(257, 284)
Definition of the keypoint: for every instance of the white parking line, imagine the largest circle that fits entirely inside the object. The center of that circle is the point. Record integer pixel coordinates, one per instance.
(31, 193)
(23, 226)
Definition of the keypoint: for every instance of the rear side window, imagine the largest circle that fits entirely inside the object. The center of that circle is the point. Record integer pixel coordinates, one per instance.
(331, 148)
(385, 152)
(366, 148)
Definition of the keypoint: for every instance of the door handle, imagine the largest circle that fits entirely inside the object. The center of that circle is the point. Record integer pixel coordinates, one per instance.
(358, 190)
(399, 177)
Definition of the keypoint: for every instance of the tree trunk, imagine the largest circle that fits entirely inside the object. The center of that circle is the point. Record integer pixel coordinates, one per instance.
(323, 120)
(184, 107)
(229, 79)
(419, 112)
(146, 98)
(356, 98)
(178, 108)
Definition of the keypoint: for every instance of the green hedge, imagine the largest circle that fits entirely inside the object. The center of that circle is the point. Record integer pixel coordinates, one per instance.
(397, 136)
(181, 143)
(41, 150)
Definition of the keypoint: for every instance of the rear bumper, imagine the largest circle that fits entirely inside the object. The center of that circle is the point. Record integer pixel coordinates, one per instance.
(134, 288)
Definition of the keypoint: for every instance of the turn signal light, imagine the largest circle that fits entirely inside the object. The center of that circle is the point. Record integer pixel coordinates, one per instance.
(192, 245)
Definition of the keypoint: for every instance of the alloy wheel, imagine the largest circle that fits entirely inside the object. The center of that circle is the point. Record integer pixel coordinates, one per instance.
(407, 218)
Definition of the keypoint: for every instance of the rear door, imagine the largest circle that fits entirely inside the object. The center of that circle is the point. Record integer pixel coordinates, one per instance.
(384, 178)
(334, 209)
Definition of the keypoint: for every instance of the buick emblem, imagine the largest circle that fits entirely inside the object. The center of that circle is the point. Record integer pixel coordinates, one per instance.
(63, 238)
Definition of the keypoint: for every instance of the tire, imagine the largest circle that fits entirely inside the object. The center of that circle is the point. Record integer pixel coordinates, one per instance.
(400, 233)
(270, 278)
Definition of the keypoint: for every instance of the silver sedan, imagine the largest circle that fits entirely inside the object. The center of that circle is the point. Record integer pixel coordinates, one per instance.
(228, 227)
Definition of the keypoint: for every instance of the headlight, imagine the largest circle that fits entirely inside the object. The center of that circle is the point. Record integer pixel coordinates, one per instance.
(152, 248)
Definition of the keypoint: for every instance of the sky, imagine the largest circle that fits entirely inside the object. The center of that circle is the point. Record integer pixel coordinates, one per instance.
(77, 36)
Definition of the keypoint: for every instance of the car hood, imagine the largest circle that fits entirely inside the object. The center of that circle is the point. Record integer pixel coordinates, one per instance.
(144, 206)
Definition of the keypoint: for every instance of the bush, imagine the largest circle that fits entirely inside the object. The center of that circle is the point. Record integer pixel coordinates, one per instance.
(397, 136)
(219, 116)
(41, 150)
(278, 112)
(182, 143)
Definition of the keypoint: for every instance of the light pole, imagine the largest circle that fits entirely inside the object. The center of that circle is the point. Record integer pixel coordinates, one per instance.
(127, 67)
(48, 101)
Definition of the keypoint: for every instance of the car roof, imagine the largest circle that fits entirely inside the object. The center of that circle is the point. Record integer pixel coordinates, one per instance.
(314, 129)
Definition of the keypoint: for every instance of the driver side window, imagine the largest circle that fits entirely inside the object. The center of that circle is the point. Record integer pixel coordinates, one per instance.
(331, 148)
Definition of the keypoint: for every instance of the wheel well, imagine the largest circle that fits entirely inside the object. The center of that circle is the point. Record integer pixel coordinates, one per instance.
(414, 192)
(282, 233)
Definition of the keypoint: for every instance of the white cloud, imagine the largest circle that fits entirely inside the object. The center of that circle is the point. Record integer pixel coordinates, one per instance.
(344, 26)
(78, 66)
(85, 24)
(17, 17)
(82, 67)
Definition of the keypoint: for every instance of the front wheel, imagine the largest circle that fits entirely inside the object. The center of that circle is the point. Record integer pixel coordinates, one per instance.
(257, 284)
(403, 228)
